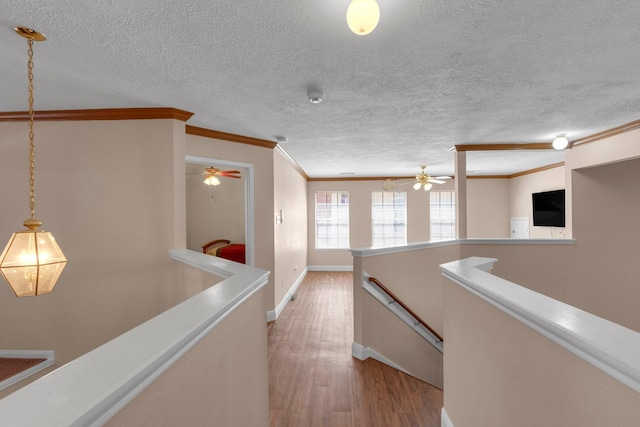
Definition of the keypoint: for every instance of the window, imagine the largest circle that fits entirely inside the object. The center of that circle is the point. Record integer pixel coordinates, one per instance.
(332, 220)
(443, 215)
(388, 218)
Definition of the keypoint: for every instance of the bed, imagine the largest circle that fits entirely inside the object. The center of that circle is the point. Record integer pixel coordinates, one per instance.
(223, 248)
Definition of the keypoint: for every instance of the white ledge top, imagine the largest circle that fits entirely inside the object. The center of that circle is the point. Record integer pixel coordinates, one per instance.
(366, 252)
(92, 388)
(608, 346)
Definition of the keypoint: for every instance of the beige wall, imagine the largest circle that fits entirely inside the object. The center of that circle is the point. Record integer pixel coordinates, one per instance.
(599, 273)
(606, 202)
(290, 196)
(521, 206)
(488, 208)
(215, 212)
(499, 372)
(223, 380)
(622, 146)
(107, 190)
(262, 160)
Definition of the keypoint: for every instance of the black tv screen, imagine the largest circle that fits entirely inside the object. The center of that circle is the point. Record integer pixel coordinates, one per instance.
(548, 209)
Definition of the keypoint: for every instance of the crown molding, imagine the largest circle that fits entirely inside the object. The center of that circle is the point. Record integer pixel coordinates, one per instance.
(536, 170)
(489, 177)
(232, 137)
(361, 178)
(98, 114)
(503, 147)
(514, 175)
(607, 133)
(292, 162)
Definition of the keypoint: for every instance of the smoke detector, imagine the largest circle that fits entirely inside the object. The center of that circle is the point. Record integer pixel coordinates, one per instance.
(315, 96)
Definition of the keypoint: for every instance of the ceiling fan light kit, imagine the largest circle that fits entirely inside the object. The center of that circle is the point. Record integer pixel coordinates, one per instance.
(212, 174)
(363, 16)
(425, 180)
(422, 180)
(427, 186)
(212, 180)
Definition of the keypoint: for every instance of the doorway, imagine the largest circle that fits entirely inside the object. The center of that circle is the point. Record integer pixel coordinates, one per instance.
(222, 211)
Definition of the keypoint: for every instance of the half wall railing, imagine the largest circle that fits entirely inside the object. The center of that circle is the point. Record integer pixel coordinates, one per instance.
(536, 360)
(93, 388)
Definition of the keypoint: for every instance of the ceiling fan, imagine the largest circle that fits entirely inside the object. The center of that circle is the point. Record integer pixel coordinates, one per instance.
(422, 180)
(212, 174)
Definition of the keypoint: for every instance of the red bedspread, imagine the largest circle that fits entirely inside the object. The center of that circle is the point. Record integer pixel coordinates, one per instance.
(232, 252)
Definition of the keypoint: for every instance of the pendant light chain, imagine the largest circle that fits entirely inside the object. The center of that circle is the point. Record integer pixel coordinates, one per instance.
(32, 261)
(32, 154)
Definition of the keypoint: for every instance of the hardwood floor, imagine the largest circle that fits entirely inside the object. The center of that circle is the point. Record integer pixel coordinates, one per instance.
(314, 380)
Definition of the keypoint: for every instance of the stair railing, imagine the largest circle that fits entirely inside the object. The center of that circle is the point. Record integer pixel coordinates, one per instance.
(406, 308)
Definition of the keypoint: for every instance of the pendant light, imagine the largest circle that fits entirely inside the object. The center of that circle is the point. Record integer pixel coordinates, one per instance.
(363, 16)
(32, 260)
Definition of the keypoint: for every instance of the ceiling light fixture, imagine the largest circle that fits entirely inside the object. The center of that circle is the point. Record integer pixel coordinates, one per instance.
(427, 186)
(32, 261)
(211, 175)
(422, 179)
(426, 181)
(212, 180)
(363, 16)
(560, 142)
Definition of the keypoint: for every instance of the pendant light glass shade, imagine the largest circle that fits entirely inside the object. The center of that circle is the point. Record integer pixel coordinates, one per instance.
(363, 16)
(32, 262)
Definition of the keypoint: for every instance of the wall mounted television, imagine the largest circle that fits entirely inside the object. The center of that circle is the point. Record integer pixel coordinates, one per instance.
(548, 209)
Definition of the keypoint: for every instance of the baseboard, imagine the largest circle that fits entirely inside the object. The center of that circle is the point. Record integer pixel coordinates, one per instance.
(273, 314)
(330, 268)
(363, 353)
(445, 420)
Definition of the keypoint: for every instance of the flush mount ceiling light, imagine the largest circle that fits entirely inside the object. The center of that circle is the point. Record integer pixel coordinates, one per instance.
(560, 142)
(32, 261)
(363, 16)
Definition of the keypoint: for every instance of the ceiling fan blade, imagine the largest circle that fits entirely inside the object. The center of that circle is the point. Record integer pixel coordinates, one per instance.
(231, 176)
(435, 181)
(441, 177)
(223, 173)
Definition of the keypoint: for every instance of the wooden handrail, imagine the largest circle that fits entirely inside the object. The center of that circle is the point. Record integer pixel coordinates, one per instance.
(407, 309)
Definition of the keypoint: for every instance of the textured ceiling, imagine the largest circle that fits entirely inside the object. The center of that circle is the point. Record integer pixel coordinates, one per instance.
(433, 74)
